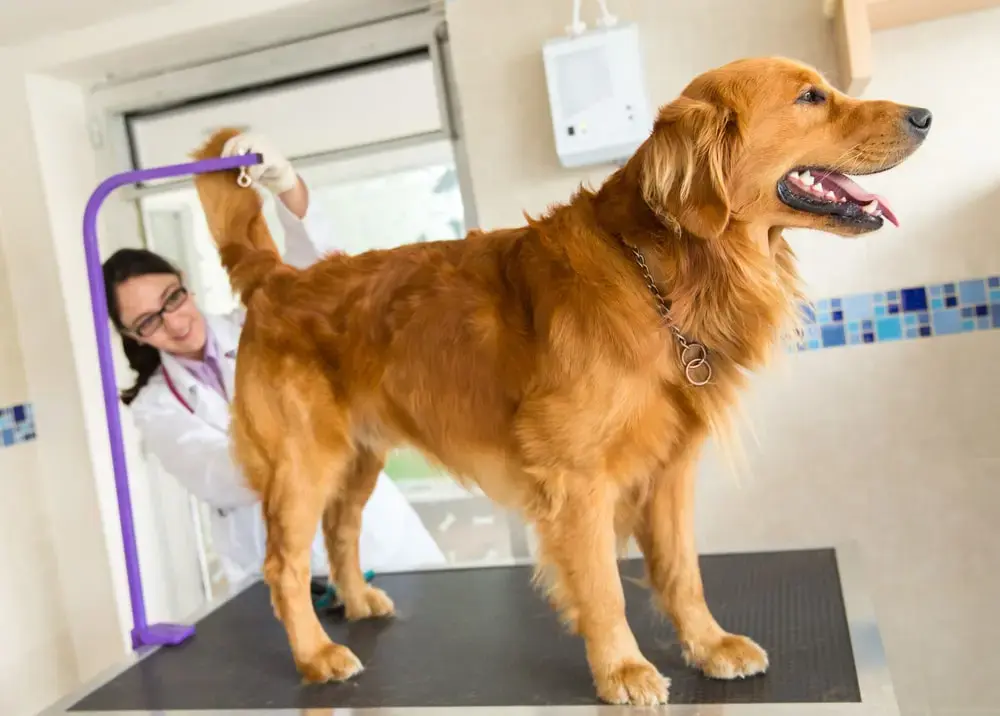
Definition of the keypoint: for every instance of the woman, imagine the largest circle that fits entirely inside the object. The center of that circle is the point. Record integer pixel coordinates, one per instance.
(180, 400)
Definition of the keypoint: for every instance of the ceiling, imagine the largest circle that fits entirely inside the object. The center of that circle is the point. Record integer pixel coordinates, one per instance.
(267, 23)
(25, 20)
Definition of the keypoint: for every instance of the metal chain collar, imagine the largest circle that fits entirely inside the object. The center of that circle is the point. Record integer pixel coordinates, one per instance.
(694, 356)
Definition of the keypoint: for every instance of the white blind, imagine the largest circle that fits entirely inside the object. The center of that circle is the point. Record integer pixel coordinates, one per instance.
(384, 102)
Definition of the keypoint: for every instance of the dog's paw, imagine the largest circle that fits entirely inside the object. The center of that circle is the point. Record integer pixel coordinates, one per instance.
(372, 603)
(634, 682)
(733, 657)
(332, 662)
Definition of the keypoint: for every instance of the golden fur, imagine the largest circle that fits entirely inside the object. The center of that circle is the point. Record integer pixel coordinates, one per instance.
(532, 362)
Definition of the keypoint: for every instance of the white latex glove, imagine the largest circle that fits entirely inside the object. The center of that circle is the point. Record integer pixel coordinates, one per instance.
(275, 173)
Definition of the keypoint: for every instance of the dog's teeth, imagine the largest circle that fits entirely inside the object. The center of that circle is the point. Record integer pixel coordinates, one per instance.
(831, 196)
(806, 178)
(818, 189)
(871, 208)
(843, 200)
(793, 175)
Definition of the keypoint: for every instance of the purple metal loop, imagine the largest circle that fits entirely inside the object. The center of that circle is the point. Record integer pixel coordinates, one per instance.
(143, 633)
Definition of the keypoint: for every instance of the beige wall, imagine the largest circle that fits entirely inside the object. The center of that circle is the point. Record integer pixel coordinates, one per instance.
(888, 445)
(12, 385)
(66, 616)
(497, 51)
(31, 617)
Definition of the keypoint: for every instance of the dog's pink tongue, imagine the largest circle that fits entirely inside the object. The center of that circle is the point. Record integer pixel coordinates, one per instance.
(856, 192)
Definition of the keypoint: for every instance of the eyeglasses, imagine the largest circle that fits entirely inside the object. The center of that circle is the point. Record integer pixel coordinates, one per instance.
(152, 322)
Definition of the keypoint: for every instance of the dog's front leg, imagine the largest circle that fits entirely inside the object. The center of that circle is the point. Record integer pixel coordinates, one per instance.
(665, 534)
(577, 549)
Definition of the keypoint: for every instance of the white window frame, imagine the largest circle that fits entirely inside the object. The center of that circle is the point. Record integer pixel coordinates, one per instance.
(390, 101)
(422, 30)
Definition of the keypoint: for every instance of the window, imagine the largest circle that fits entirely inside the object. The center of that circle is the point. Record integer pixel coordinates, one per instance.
(373, 148)
(340, 111)
(391, 198)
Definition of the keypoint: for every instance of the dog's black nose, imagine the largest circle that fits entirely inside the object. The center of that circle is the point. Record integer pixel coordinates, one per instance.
(919, 120)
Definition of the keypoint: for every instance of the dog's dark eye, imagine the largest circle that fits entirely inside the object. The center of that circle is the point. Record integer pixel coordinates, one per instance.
(812, 96)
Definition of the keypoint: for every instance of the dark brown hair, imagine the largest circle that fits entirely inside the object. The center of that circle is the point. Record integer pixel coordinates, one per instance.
(119, 268)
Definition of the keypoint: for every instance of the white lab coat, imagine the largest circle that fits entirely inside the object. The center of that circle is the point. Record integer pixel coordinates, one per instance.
(194, 448)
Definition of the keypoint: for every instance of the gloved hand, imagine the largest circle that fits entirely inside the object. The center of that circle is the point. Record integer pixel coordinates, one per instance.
(275, 173)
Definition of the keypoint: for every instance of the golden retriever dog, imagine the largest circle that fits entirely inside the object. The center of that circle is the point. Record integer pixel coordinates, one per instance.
(572, 367)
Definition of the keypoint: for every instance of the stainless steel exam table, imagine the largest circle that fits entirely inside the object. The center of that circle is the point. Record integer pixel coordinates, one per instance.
(481, 640)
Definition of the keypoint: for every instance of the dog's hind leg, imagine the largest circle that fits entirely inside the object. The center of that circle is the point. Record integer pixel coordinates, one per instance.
(342, 531)
(577, 548)
(304, 479)
(665, 534)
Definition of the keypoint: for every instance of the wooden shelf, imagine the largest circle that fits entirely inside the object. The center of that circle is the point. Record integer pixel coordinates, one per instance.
(855, 20)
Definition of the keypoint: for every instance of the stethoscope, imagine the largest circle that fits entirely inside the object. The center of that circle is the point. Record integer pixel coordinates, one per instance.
(177, 393)
(180, 399)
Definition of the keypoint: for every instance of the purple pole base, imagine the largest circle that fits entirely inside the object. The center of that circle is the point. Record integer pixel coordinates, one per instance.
(161, 635)
(143, 633)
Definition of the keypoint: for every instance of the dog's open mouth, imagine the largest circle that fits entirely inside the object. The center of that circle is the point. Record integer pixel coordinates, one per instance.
(821, 191)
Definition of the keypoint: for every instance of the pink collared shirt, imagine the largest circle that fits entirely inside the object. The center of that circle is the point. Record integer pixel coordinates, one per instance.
(208, 370)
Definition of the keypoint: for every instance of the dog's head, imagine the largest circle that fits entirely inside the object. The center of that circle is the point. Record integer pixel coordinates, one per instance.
(770, 142)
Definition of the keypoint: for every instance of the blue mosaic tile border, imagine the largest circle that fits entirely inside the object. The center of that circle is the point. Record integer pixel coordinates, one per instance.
(904, 314)
(917, 312)
(17, 425)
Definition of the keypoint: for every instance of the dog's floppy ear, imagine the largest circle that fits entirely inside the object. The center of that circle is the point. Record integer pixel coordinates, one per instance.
(686, 163)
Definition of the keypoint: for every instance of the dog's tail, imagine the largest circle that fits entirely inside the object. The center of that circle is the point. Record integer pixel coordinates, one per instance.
(234, 215)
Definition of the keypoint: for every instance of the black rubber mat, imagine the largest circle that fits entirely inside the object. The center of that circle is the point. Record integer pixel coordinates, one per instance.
(484, 637)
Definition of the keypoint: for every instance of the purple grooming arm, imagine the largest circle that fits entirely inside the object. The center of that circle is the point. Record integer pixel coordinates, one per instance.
(143, 633)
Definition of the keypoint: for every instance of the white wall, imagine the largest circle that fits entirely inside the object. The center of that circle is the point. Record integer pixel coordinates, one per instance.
(36, 657)
(950, 195)
(12, 385)
(890, 445)
(21, 21)
(42, 203)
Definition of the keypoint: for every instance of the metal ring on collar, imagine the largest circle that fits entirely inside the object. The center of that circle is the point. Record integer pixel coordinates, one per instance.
(694, 357)
(244, 180)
